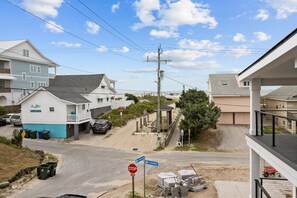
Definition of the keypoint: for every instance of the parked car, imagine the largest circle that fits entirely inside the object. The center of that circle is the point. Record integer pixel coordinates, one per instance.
(2, 121)
(16, 120)
(7, 117)
(101, 126)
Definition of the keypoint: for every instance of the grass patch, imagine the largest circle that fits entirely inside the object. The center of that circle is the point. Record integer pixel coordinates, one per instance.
(13, 159)
(136, 195)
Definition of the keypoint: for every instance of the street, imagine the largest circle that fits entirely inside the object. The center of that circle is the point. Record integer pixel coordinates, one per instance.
(91, 171)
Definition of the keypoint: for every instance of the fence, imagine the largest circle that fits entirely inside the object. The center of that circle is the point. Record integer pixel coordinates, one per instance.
(171, 129)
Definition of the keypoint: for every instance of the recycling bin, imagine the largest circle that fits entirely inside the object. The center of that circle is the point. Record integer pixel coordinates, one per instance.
(43, 171)
(46, 135)
(53, 167)
(33, 134)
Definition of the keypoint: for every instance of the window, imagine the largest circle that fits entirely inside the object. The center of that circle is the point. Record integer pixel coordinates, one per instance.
(224, 82)
(99, 100)
(246, 83)
(24, 76)
(284, 123)
(107, 99)
(52, 109)
(289, 124)
(38, 69)
(25, 52)
(83, 107)
(102, 86)
(41, 84)
(32, 68)
(32, 84)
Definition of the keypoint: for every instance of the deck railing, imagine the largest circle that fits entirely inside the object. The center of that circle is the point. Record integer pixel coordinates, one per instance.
(263, 190)
(261, 115)
(78, 117)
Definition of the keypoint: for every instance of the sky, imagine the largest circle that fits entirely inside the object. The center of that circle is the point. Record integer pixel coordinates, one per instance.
(121, 38)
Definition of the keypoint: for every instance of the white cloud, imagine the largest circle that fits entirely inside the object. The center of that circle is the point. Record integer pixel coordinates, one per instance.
(42, 8)
(163, 34)
(262, 15)
(101, 49)
(123, 50)
(172, 14)
(53, 27)
(239, 37)
(284, 8)
(239, 51)
(92, 27)
(194, 65)
(66, 44)
(218, 36)
(115, 7)
(143, 70)
(204, 45)
(261, 36)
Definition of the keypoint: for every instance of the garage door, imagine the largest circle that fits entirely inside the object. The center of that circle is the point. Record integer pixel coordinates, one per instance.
(226, 118)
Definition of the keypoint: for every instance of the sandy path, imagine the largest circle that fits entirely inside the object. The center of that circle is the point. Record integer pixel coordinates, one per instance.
(123, 138)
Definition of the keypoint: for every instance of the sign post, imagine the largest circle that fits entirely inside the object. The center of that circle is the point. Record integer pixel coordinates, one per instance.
(182, 136)
(121, 114)
(132, 168)
(142, 158)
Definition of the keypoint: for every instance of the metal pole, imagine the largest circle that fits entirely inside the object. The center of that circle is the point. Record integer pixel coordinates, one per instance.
(144, 177)
(273, 131)
(158, 97)
(133, 185)
(189, 137)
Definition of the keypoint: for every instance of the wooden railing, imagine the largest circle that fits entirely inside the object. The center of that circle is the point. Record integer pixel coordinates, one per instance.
(171, 128)
(4, 71)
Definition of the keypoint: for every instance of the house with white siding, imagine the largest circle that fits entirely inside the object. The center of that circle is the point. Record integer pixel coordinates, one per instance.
(23, 68)
(277, 67)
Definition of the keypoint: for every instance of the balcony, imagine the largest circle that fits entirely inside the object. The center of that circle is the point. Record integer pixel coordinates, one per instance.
(78, 118)
(276, 138)
(4, 71)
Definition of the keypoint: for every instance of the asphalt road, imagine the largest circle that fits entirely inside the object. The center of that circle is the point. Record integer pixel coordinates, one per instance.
(91, 171)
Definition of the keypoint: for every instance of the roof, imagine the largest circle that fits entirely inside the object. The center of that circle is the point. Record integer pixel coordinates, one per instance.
(271, 50)
(83, 84)
(226, 84)
(67, 94)
(283, 93)
(9, 45)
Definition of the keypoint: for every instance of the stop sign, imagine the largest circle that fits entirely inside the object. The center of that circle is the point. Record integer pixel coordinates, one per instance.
(132, 168)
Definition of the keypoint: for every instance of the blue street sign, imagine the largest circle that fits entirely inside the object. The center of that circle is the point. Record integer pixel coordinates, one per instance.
(151, 163)
(139, 159)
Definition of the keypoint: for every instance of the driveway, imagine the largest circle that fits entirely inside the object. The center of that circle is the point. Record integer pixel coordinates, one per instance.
(7, 130)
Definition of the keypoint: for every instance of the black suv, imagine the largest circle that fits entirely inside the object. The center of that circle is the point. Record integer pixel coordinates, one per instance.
(101, 126)
(2, 121)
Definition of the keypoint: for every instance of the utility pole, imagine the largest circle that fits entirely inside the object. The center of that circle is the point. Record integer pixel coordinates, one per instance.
(159, 73)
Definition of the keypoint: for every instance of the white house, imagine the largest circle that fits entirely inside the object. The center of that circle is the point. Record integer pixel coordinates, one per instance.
(96, 88)
(23, 68)
(277, 67)
(62, 111)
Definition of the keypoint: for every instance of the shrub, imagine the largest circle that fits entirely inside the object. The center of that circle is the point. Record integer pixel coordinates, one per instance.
(3, 111)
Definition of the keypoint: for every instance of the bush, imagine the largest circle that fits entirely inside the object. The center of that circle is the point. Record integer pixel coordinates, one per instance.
(5, 140)
(3, 111)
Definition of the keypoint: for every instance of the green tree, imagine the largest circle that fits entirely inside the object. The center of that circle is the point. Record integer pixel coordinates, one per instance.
(199, 113)
(132, 97)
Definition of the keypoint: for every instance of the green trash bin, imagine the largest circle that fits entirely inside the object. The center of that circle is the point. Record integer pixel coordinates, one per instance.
(43, 171)
(28, 133)
(33, 134)
(53, 169)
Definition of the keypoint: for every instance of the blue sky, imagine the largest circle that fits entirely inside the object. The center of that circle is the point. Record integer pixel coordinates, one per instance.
(199, 37)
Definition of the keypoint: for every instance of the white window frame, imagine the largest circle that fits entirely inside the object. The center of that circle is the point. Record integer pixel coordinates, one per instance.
(32, 68)
(51, 109)
(24, 76)
(41, 84)
(83, 107)
(32, 84)
(26, 52)
(38, 70)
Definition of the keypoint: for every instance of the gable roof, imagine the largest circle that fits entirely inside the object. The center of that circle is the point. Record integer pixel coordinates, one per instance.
(283, 93)
(67, 94)
(83, 84)
(226, 85)
(61, 93)
(7, 46)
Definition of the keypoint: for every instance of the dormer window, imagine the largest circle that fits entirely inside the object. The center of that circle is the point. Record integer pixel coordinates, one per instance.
(224, 82)
(246, 83)
(25, 52)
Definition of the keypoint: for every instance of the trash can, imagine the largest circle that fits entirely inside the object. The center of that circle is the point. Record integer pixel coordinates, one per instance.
(53, 166)
(33, 134)
(28, 132)
(40, 136)
(43, 171)
(46, 135)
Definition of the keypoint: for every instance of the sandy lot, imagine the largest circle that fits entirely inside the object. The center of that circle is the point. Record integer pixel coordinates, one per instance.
(210, 172)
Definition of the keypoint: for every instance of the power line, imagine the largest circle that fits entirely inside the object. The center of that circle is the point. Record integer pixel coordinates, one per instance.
(68, 32)
(178, 81)
(139, 47)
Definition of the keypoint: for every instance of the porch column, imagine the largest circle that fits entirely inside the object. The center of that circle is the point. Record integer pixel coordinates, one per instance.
(255, 88)
(76, 132)
(294, 192)
(254, 171)
(88, 126)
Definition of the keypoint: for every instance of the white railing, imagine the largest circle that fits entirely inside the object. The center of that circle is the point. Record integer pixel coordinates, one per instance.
(78, 117)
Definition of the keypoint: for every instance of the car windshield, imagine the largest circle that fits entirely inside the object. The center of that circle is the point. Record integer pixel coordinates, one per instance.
(16, 117)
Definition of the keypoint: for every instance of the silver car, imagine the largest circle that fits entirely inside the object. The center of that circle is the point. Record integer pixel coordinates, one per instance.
(7, 117)
(16, 120)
